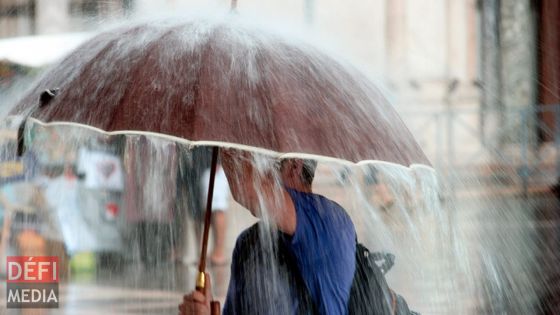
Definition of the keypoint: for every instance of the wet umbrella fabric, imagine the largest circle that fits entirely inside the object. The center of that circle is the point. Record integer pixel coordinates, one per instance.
(224, 82)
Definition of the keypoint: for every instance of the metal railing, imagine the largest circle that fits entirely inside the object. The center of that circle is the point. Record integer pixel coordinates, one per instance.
(522, 143)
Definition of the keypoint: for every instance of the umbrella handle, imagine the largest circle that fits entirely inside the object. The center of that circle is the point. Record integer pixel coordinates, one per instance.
(215, 308)
(201, 282)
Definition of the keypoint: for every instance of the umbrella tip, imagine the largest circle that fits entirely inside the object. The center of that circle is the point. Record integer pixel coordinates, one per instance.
(20, 139)
(47, 96)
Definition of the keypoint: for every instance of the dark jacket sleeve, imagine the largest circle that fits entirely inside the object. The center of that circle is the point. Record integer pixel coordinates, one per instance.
(231, 304)
(234, 302)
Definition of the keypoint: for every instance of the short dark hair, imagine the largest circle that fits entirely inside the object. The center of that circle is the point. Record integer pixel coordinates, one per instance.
(308, 171)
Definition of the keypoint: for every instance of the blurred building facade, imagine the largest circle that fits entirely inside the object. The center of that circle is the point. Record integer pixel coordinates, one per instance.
(520, 76)
(549, 61)
(36, 17)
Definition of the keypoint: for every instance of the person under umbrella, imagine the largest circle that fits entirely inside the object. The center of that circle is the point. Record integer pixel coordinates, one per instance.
(313, 237)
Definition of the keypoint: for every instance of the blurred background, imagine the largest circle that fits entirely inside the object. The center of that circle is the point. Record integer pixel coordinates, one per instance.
(476, 81)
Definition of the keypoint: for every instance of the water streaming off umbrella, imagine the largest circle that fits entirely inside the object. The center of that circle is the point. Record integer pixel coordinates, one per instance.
(118, 235)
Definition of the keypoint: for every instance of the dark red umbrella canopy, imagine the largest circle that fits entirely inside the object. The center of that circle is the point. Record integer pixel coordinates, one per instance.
(224, 81)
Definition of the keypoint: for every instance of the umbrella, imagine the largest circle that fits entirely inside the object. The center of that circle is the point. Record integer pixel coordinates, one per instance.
(222, 83)
(262, 90)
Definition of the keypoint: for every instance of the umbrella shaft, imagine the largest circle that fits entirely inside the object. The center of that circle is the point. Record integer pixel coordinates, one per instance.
(208, 214)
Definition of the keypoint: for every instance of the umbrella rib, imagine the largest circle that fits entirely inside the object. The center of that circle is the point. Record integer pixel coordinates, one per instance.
(137, 68)
(197, 94)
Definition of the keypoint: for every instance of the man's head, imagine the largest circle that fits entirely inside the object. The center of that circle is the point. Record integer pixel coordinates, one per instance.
(298, 174)
(251, 177)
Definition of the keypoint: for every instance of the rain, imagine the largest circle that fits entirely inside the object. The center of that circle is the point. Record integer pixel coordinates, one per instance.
(107, 152)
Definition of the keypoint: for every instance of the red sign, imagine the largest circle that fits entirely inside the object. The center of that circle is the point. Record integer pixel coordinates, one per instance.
(111, 210)
(36, 269)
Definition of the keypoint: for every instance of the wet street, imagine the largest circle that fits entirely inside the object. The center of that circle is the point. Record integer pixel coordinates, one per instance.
(133, 290)
(509, 253)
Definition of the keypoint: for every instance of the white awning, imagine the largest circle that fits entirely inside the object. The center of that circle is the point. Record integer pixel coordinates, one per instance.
(41, 50)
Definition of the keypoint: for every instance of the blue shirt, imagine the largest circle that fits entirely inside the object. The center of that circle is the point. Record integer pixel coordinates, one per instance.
(323, 245)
